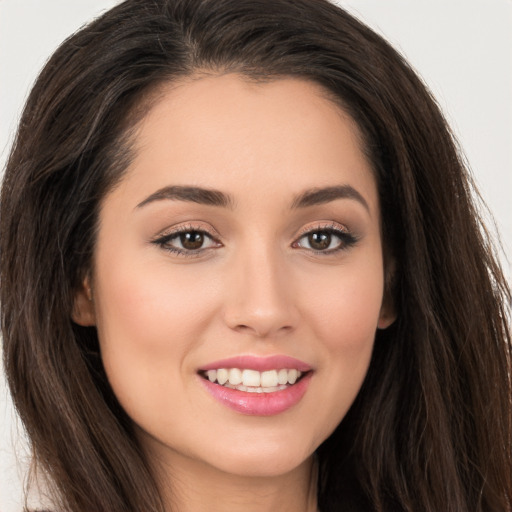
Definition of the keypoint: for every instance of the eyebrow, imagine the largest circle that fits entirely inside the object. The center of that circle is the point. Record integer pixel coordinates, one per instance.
(319, 196)
(191, 194)
(211, 197)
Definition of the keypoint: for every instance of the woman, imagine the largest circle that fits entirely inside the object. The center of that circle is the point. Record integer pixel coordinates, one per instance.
(241, 269)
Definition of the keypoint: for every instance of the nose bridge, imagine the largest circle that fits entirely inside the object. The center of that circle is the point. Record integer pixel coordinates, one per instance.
(260, 298)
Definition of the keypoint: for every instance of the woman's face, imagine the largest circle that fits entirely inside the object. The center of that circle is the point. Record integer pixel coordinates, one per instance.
(243, 243)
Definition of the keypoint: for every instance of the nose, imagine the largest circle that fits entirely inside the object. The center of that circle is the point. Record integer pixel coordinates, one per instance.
(260, 300)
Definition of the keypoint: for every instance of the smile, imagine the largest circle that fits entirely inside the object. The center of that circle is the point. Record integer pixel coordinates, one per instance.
(253, 381)
(259, 386)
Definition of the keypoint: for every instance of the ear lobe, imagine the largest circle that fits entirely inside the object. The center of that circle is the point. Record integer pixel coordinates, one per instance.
(83, 307)
(387, 313)
(386, 318)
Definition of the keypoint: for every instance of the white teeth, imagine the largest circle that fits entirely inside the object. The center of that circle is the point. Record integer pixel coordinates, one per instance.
(282, 376)
(222, 376)
(235, 376)
(251, 378)
(275, 388)
(292, 376)
(253, 381)
(249, 389)
(269, 379)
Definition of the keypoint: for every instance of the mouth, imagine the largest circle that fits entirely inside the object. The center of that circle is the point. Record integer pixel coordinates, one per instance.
(254, 381)
(260, 386)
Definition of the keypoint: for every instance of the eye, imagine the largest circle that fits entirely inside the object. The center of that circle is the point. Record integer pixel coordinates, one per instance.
(190, 240)
(326, 240)
(187, 241)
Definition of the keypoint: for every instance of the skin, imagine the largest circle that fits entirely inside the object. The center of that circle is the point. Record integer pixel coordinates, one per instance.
(258, 289)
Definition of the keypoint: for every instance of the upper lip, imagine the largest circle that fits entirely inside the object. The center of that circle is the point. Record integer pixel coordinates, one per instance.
(258, 363)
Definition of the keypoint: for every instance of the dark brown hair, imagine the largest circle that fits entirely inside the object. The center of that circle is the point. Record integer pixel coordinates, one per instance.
(431, 427)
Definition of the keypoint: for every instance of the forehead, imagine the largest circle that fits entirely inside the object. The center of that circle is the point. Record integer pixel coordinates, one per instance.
(233, 133)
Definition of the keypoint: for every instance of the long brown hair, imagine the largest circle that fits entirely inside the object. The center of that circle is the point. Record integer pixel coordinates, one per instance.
(431, 427)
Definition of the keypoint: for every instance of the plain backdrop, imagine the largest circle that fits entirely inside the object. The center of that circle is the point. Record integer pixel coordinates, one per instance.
(461, 48)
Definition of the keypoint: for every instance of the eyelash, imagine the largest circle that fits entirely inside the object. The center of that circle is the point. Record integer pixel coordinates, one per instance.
(346, 239)
(164, 240)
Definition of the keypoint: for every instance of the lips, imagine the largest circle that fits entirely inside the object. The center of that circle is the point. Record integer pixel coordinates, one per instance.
(255, 385)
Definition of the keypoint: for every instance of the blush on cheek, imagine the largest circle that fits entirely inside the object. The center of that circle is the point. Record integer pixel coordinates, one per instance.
(155, 307)
(348, 320)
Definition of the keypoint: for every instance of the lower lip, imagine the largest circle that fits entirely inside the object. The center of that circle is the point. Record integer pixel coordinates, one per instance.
(259, 404)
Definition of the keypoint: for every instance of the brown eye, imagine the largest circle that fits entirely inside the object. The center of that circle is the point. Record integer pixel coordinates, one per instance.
(327, 241)
(187, 242)
(320, 240)
(192, 240)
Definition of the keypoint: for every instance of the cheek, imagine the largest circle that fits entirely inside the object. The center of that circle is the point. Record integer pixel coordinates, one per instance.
(153, 306)
(346, 313)
(343, 318)
(148, 318)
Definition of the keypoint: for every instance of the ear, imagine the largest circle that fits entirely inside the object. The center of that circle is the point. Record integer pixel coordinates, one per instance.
(83, 307)
(388, 313)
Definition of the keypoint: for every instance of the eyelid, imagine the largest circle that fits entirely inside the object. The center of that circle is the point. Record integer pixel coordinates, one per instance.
(165, 236)
(188, 226)
(321, 226)
(346, 237)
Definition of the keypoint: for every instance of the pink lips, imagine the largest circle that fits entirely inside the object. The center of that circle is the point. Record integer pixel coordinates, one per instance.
(259, 404)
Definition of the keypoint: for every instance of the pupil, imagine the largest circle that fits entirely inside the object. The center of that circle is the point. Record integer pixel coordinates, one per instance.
(320, 240)
(192, 240)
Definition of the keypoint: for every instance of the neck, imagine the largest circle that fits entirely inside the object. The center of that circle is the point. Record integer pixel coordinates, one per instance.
(192, 486)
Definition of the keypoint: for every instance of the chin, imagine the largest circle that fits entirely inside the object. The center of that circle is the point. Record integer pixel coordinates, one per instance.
(263, 461)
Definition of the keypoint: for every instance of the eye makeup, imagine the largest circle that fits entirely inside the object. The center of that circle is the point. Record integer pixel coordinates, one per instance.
(194, 240)
(326, 239)
(187, 241)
